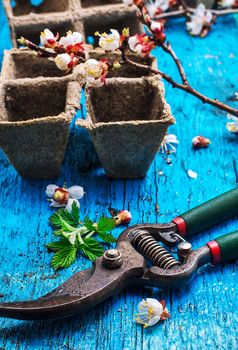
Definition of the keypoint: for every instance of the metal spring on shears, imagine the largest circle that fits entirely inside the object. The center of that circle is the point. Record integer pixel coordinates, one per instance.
(153, 250)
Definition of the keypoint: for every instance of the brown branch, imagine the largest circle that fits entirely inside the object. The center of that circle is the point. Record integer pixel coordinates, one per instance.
(42, 52)
(189, 89)
(190, 10)
(167, 48)
(170, 14)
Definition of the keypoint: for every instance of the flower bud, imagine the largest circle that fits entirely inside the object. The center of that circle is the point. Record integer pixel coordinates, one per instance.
(126, 32)
(116, 65)
(123, 217)
(200, 142)
(22, 41)
(63, 61)
(61, 195)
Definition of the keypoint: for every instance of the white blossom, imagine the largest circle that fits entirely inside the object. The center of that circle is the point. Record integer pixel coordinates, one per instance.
(109, 42)
(71, 39)
(133, 43)
(168, 143)
(92, 71)
(63, 61)
(154, 6)
(61, 197)
(150, 312)
(136, 46)
(156, 26)
(232, 126)
(199, 19)
(46, 37)
(226, 3)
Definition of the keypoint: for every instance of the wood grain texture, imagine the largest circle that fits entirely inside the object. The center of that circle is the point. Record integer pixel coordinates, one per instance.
(205, 313)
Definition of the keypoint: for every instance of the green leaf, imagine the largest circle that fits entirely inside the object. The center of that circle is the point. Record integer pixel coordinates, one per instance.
(61, 244)
(63, 258)
(91, 248)
(89, 224)
(58, 232)
(75, 213)
(105, 224)
(64, 220)
(55, 220)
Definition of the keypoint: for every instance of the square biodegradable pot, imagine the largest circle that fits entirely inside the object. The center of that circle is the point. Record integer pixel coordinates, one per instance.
(35, 118)
(127, 120)
(25, 7)
(126, 70)
(92, 3)
(24, 63)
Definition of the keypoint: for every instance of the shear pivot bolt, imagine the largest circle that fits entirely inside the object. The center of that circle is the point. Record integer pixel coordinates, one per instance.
(112, 259)
(184, 249)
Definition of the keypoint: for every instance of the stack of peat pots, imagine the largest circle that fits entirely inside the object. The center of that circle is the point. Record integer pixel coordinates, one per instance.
(36, 109)
(127, 118)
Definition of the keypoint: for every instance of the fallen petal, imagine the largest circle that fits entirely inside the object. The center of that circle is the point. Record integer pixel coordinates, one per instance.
(50, 190)
(192, 174)
(76, 192)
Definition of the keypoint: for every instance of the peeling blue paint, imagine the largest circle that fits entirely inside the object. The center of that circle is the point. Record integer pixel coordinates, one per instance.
(204, 314)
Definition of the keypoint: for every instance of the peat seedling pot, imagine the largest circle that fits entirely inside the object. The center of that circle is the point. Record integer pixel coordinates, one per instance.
(127, 120)
(24, 63)
(126, 70)
(35, 117)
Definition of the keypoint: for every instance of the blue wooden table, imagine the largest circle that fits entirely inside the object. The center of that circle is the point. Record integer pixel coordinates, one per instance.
(205, 313)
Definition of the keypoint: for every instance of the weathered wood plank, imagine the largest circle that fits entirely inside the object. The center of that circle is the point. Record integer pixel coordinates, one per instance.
(204, 314)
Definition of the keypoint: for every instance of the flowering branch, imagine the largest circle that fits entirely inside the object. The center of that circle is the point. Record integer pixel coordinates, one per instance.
(156, 29)
(68, 51)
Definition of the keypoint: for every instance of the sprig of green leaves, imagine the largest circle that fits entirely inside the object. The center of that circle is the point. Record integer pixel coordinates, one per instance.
(76, 236)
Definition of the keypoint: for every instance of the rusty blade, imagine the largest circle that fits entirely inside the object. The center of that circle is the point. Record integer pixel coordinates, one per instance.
(82, 291)
(57, 301)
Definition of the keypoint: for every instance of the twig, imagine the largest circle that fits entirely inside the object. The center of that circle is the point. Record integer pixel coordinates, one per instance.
(185, 87)
(42, 52)
(190, 10)
(167, 48)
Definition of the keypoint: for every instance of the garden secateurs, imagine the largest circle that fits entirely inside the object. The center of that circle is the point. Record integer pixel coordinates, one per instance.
(144, 256)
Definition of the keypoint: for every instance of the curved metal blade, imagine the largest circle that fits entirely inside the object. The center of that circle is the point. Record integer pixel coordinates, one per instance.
(56, 301)
(82, 291)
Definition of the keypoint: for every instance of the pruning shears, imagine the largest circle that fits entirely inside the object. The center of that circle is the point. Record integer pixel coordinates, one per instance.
(144, 256)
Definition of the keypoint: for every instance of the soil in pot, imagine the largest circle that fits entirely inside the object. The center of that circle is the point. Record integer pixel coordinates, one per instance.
(24, 7)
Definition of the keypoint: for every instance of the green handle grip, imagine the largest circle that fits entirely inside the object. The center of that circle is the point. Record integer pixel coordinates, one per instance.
(210, 213)
(224, 248)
